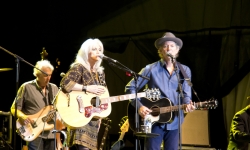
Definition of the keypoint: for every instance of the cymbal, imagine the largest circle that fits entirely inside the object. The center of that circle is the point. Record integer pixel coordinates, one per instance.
(5, 69)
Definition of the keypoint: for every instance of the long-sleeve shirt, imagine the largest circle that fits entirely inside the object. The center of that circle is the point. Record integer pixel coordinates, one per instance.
(167, 85)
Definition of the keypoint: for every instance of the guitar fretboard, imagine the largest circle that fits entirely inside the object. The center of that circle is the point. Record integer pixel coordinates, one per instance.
(49, 116)
(170, 108)
(122, 97)
(176, 108)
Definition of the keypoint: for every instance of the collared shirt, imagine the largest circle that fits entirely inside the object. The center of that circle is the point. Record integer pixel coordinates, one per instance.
(167, 85)
(30, 100)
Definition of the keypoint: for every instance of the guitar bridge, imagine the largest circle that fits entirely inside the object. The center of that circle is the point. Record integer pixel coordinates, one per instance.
(80, 103)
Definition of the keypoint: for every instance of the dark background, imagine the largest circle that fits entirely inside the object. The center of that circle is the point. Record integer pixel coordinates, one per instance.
(26, 27)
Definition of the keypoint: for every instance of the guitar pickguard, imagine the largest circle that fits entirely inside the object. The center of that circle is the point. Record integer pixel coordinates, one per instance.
(90, 109)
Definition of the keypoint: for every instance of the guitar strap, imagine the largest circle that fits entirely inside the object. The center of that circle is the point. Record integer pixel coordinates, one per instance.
(186, 78)
(50, 95)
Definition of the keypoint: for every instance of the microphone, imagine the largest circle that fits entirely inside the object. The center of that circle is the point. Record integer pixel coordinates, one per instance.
(170, 55)
(107, 58)
(62, 74)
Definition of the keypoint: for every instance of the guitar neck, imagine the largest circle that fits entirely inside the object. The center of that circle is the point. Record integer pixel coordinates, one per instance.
(170, 108)
(104, 138)
(49, 116)
(121, 136)
(122, 97)
(176, 108)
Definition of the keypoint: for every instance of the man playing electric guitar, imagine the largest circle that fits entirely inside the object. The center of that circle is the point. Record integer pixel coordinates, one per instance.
(35, 97)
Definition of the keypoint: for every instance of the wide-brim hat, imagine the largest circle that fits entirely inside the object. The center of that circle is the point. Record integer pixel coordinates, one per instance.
(168, 36)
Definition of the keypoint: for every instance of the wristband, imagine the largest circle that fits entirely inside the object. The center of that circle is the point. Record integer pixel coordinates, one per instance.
(84, 89)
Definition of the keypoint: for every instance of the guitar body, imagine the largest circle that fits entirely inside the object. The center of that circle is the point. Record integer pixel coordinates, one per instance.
(29, 132)
(77, 108)
(156, 116)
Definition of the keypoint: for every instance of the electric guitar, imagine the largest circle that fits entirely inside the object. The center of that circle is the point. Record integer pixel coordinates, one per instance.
(124, 128)
(77, 108)
(162, 110)
(31, 131)
(107, 124)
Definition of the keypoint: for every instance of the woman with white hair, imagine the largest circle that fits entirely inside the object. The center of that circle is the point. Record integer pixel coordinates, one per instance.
(85, 74)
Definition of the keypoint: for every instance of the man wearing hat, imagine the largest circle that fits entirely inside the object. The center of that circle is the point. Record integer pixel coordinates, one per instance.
(163, 75)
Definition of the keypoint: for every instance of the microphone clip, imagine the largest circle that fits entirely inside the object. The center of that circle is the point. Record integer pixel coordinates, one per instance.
(171, 56)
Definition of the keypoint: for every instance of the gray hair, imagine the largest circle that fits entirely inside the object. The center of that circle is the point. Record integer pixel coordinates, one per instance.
(82, 55)
(40, 64)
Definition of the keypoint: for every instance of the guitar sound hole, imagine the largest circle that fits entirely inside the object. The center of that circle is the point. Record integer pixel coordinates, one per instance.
(155, 111)
(95, 101)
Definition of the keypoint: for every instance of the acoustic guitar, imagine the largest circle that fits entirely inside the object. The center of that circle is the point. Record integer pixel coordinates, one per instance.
(77, 108)
(162, 110)
(119, 144)
(31, 131)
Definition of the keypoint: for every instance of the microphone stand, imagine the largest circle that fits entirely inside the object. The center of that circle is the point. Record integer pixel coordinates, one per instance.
(180, 96)
(17, 85)
(52, 103)
(65, 147)
(135, 75)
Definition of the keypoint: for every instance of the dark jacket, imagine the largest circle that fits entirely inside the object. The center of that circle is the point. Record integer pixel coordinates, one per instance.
(239, 131)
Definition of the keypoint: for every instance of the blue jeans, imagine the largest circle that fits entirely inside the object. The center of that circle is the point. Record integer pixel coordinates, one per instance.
(170, 139)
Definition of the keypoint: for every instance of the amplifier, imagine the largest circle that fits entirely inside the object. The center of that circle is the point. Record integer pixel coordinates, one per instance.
(195, 129)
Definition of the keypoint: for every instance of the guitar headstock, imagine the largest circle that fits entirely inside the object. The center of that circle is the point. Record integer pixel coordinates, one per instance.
(44, 54)
(210, 104)
(107, 122)
(125, 124)
(153, 93)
